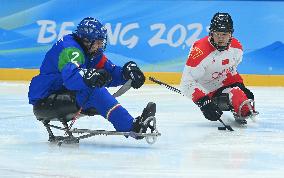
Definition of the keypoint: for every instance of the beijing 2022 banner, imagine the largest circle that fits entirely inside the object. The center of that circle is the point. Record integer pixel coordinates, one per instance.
(157, 34)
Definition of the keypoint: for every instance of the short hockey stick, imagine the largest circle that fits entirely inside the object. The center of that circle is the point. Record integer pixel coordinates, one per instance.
(123, 89)
(179, 92)
(225, 126)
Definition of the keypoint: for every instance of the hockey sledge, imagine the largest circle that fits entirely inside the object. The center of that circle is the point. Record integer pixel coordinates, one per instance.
(148, 131)
(150, 136)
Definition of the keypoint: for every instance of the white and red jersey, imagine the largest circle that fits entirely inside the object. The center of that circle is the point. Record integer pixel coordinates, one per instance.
(208, 69)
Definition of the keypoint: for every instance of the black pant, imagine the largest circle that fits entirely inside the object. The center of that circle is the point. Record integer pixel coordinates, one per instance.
(57, 106)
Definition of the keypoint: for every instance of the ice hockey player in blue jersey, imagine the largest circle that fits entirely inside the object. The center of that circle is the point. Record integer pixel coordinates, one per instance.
(74, 74)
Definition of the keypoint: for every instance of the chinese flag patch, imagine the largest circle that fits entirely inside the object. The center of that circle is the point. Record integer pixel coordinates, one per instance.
(225, 61)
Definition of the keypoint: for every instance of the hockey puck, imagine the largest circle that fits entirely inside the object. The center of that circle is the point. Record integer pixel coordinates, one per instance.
(221, 128)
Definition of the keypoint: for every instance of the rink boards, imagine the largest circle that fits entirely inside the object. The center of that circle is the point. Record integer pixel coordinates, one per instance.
(168, 77)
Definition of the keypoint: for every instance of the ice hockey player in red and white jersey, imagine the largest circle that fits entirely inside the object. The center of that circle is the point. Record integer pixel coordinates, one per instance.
(210, 76)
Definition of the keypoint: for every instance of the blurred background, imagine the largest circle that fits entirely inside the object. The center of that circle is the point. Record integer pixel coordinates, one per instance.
(156, 34)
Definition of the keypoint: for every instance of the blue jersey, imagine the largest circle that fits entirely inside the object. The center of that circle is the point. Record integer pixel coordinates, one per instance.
(62, 67)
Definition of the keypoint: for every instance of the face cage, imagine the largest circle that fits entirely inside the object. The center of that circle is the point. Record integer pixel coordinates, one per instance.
(99, 51)
(219, 48)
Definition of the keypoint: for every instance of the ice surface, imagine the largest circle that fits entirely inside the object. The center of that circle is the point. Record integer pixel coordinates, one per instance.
(190, 146)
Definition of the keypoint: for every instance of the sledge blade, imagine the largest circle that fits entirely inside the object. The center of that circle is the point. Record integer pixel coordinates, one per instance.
(106, 132)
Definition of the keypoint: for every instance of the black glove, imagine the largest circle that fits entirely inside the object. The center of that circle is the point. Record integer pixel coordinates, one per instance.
(209, 109)
(130, 70)
(96, 77)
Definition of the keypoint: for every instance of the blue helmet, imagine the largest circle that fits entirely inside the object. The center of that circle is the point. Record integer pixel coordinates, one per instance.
(92, 30)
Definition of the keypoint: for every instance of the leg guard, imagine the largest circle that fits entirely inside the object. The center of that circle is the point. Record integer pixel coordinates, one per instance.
(56, 107)
(238, 98)
(250, 104)
(242, 106)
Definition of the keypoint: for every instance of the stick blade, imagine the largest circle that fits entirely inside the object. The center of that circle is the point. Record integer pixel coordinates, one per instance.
(227, 127)
(221, 128)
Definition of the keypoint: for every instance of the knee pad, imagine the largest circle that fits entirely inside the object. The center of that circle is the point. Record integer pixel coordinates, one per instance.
(56, 107)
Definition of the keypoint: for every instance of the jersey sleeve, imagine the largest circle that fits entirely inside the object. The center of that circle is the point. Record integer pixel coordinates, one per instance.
(116, 73)
(71, 54)
(239, 50)
(193, 70)
(189, 87)
(68, 64)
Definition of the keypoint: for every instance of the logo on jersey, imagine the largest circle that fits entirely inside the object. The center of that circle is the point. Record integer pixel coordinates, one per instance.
(195, 53)
(223, 73)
